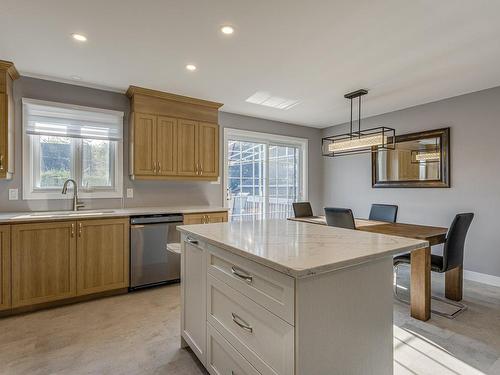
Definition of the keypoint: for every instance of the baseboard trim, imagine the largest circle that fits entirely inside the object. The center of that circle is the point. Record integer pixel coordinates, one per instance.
(482, 278)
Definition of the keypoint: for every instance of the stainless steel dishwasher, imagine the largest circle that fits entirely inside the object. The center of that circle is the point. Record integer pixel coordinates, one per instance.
(154, 250)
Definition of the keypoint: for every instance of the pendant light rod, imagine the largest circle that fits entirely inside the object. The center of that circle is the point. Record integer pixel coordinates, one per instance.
(351, 96)
(359, 117)
(351, 120)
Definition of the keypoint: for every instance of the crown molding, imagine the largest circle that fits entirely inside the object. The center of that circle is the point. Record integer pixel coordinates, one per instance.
(133, 90)
(9, 67)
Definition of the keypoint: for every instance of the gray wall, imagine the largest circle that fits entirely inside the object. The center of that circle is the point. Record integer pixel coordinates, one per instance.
(475, 177)
(146, 193)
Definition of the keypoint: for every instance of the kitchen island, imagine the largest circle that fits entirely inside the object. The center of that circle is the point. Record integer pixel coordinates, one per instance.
(284, 297)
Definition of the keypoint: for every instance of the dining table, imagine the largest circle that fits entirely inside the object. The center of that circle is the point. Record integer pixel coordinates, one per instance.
(420, 274)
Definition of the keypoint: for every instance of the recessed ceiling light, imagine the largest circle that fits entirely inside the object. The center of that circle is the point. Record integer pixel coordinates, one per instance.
(76, 78)
(79, 37)
(228, 30)
(191, 67)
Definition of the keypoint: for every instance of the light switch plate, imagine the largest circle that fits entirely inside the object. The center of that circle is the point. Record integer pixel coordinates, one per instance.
(13, 194)
(130, 193)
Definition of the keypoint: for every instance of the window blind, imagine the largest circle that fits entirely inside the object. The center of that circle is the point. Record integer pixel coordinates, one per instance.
(57, 119)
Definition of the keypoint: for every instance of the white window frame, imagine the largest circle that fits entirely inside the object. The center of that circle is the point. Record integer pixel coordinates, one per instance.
(268, 139)
(30, 192)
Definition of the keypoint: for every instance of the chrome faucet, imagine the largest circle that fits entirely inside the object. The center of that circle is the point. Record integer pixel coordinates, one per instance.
(76, 203)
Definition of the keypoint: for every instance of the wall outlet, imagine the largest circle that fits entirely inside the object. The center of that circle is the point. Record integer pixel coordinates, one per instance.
(13, 195)
(130, 193)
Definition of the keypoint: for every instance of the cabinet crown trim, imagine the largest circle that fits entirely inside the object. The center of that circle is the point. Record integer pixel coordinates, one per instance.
(9, 67)
(132, 90)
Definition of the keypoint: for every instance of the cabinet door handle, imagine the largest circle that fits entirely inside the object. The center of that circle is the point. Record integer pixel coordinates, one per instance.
(241, 274)
(201, 169)
(159, 167)
(191, 241)
(79, 229)
(1, 162)
(72, 230)
(154, 168)
(241, 323)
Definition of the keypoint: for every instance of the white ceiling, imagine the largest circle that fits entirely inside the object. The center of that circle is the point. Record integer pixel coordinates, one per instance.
(405, 52)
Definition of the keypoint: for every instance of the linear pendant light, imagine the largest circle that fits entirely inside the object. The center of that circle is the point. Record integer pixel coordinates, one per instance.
(360, 141)
(432, 155)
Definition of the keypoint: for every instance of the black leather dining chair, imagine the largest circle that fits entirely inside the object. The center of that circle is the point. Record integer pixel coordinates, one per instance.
(302, 209)
(384, 212)
(339, 217)
(453, 256)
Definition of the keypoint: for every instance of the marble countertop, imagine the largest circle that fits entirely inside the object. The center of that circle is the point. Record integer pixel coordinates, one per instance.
(13, 217)
(301, 249)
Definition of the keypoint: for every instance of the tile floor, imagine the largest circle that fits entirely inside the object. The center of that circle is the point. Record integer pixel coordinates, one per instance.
(115, 336)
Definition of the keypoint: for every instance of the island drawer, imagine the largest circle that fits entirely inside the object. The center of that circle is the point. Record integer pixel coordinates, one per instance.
(269, 288)
(222, 358)
(264, 339)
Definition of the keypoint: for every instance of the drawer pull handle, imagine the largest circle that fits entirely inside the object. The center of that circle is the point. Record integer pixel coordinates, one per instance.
(241, 323)
(241, 274)
(191, 241)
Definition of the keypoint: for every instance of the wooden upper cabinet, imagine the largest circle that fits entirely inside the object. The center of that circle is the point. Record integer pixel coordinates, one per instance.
(8, 74)
(187, 143)
(166, 146)
(102, 255)
(208, 146)
(4, 267)
(43, 262)
(144, 144)
(173, 136)
(3, 136)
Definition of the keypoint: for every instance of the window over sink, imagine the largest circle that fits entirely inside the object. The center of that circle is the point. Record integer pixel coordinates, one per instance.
(62, 141)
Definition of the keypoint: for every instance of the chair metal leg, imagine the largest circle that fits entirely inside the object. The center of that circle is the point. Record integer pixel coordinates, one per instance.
(461, 306)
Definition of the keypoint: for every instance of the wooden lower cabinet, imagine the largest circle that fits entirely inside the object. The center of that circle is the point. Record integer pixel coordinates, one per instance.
(64, 259)
(217, 217)
(206, 218)
(102, 255)
(4, 267)
(43, 262)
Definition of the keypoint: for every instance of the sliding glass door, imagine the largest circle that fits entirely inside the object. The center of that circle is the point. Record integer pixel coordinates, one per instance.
(264, 175)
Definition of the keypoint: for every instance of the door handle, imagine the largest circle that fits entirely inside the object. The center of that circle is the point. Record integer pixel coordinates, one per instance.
(79, 229)
(191, 241)
(1, 162)
(241, 274)
(241, 323)
(159, 167)
(72, 230)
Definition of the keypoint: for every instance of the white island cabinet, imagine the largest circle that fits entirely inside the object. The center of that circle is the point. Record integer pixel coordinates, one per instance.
(280, 297)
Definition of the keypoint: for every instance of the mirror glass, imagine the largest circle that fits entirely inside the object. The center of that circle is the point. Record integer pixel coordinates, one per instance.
(415, 160)
(418, 160)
